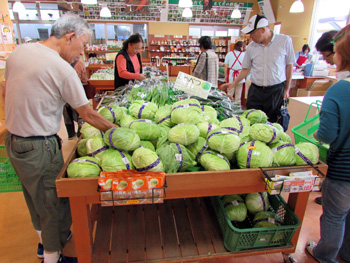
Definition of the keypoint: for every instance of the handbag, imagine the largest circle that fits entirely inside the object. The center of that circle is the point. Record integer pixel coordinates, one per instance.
(90, 90)
(283, 117)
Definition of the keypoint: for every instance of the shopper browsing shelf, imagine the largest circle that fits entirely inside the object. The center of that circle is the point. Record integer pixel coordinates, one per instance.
(334, 130)
(128, 64)
(39, 81)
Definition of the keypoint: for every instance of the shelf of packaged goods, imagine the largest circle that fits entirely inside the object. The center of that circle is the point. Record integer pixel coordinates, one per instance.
(85, 209)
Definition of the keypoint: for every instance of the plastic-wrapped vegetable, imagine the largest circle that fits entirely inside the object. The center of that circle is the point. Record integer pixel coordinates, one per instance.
(210, 114)
(254, 154)
(187, 111)
(264, 133)
(163, 116)
(266, 219)
(84, 167)
(212, 161)
(95, 147)
(198, 147)
(283, 153)
(184, 133)
(122, 139)
(146, 129)
(113, 113)
(223, 141)
(112, 160)
(81, 147)
(235, 207)
(306, 153)
(206, 127)
(255, 116)
(143, 109)
(88, 131)
(257, 202)
(147, 160)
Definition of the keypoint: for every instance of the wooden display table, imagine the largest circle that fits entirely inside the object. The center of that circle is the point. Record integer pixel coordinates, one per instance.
(132, 240)
(102, 85)
(94, 67)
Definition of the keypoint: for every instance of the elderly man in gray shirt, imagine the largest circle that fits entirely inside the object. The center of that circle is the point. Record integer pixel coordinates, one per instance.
(269, 59)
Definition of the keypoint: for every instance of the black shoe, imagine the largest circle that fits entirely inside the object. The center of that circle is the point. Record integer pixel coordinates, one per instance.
(318, 200)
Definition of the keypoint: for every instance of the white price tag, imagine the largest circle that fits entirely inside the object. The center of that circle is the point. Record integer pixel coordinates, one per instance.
(235, 203)
(125, 160)
(178, 157)
(271, 220)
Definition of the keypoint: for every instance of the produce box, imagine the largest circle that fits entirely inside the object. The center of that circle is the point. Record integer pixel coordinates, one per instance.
(9, 181)
(240, 236)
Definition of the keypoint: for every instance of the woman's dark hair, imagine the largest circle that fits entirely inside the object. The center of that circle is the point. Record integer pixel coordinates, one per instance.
(133, 39)
(239, 46)
(324, 42)
(305, 47)
(205, 42)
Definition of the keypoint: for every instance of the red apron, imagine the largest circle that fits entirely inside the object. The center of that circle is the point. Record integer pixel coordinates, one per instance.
(235, 72)
(301, 59)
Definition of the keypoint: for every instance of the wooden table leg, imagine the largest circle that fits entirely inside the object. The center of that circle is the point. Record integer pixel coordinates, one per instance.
(80, 211)
(298, 202)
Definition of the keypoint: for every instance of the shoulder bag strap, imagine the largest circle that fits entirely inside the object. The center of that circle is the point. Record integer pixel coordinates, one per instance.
(206, 66)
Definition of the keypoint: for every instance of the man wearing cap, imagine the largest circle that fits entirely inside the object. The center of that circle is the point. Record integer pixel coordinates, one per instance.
(269, 59)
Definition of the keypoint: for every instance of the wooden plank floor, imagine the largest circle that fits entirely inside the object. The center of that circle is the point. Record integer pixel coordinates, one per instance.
(176, 231)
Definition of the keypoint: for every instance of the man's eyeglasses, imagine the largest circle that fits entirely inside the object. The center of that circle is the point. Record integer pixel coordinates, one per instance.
(328, 55)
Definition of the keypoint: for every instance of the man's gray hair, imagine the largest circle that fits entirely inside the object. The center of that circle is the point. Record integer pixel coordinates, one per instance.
(69, 23)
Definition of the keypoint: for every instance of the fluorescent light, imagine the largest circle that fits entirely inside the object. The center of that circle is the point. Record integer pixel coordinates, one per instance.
(105, 12)
(185, 3)
(236, 13)
(297, 7)
(187, 12)
(89, 2)
(18, 7)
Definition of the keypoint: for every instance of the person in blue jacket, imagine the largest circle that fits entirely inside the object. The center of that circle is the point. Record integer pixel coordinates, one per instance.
(334, 129)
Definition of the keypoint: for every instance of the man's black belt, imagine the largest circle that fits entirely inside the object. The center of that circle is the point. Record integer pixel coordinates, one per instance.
(37, 137)
(270, 87)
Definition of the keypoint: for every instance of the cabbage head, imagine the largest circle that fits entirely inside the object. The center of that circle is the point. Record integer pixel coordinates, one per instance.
(278, 126)
(184, 133)
(283, 154)
(212, 161)
(206, 127)
(123, 139)
(95, 147)
(255, 116)
(84, 167)
(198, 147)
(176, 158)
(235, 124)
(223, 141)
(163, 137)
(254, 154)
(88, 131)
(81, 147)
(113, 113)
(163, 116)
(112, 160)
(235, 207)
(266, 219)
(146, 129)
(143, 109)
(264, 133)
(187, 111)
(244, 135)
(148, 145)
(126, 120)
(285, 138)
(257, 202)
(146, 160)
(306, 153)
(210, 114)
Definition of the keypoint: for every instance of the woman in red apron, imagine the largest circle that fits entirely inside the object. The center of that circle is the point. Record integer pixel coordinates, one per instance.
(302, 56)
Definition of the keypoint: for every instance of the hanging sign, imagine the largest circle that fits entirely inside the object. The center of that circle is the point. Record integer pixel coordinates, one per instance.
(266, 10)
(6, 35)
(192, 85)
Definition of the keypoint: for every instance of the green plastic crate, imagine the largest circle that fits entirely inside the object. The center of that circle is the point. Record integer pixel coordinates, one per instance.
(9, 181)
(240, 235)
(304, 131)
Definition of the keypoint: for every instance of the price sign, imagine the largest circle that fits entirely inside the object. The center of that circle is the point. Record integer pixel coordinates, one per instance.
(192, 85)
(111, 56)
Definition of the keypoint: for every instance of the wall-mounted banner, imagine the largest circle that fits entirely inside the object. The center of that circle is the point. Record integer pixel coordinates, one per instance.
(266, 10)
(192, 85)
(6, 33)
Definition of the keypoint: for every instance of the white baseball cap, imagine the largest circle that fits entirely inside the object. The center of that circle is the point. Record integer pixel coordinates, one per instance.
(27, 39)
(255, 22)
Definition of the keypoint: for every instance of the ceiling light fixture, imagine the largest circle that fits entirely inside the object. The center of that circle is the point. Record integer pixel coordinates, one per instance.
(185, 3)
(105, 12)
(18, 7)
(89, 2)
(187, 12)
(297, 7)
(236, 13)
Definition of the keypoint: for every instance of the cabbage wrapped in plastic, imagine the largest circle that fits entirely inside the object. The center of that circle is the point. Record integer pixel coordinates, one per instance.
(81, 147)
(306, 153)
(198, 147)
(148, 145)
(123, 139)
(147, 160)
(84, 167)
(126, 120)
(285, 138)
(176, 158)
(143, 109)
(113, 113)
(223, 141)
(277, 126)
(266, 219)
(235, 207)
(95, 147)
(254, 154)
(283, 154)
(184, 133)
(244, 135)
(210, 114)
(235, 124)
(206, 127)
(146, 129)
(187, 111)
(257, 202)
(163, 116)
(112, 160)
(213, 161)
(255, 116)
(264, 133)
(163, 137)
(88, 131)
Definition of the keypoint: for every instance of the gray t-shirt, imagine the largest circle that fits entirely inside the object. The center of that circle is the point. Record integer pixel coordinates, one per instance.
(38, 83)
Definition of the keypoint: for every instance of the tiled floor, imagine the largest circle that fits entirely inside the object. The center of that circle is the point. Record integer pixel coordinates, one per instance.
(18, 240)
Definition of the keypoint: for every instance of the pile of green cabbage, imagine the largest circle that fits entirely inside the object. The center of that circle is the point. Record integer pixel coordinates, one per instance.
(235, 207)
